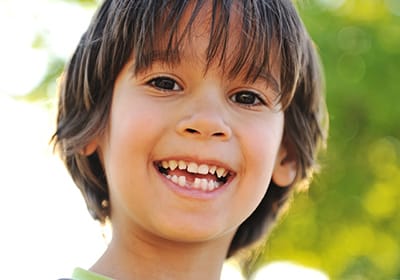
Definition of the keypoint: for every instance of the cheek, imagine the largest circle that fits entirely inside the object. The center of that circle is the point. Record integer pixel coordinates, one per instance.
(130, 136)
(133, 132)
(135, 122)
(261, 141)
(260, 145)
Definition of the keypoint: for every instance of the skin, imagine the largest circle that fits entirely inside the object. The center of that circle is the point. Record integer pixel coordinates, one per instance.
(184, 112)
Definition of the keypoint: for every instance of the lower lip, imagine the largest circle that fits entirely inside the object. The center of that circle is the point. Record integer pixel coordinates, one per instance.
(191, 192)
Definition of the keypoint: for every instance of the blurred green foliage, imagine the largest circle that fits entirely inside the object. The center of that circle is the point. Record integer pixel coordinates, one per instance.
(348, 222)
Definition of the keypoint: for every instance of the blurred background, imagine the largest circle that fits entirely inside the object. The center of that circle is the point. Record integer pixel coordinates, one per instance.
(347, 225)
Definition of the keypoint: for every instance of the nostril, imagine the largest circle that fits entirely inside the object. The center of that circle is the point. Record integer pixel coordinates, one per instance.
(218, 134)
(191, 131)
(204, 128)
(195, 131)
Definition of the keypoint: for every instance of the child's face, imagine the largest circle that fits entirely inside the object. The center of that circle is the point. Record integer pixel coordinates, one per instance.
(181, 115)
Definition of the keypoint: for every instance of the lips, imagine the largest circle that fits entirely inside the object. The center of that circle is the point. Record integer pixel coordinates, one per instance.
(194, 175)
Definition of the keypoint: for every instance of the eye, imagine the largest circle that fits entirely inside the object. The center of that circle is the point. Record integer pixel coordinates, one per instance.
(248, 98)
(165, 84)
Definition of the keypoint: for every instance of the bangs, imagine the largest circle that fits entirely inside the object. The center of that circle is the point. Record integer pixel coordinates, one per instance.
(156, 30)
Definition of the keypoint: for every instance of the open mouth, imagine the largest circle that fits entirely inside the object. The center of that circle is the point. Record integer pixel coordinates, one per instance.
(193, 175)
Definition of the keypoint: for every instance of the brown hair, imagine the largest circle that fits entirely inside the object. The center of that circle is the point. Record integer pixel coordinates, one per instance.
(123, 30)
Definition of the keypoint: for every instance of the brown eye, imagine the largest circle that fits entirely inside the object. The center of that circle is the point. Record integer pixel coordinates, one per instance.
(247, 98)
(165, 83)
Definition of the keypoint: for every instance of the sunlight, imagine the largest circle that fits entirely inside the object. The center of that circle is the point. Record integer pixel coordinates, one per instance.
(46, 208)
(22, 66)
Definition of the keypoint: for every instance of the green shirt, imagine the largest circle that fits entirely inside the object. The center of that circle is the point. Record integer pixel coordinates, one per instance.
(82, 274)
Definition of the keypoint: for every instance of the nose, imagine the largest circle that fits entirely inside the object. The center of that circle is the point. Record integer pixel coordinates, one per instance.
(204, 121)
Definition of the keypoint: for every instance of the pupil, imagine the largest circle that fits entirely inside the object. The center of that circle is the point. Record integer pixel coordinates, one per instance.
(246, 98)
(165, 83)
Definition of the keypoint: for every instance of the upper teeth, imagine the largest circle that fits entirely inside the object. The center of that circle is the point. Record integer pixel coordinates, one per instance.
(195, 168)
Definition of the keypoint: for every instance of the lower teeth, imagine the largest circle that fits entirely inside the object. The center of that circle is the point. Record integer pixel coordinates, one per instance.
(198, 183)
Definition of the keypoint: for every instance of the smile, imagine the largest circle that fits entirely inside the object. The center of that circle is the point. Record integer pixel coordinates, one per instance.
(194, 175)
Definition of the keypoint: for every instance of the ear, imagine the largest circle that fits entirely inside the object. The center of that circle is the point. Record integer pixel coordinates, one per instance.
(285, 169)
(90, 148)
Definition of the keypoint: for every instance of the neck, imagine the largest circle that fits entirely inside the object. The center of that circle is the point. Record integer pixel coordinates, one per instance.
(156, 258)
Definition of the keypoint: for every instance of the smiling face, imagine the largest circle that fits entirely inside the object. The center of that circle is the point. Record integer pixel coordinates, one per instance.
(189, 151)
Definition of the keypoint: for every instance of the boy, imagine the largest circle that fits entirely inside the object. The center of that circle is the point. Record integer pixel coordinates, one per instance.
(188, 124)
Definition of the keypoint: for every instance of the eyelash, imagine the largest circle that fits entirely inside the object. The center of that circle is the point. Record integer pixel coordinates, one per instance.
(169, 84)
(163, 87)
